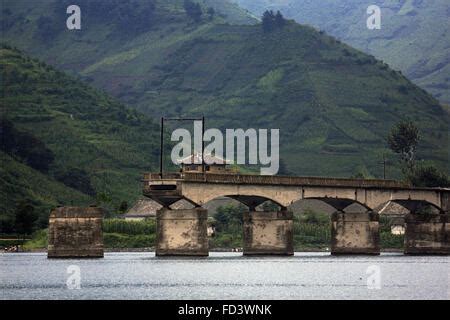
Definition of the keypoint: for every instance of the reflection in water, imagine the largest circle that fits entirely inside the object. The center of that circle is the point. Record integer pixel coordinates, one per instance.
(226, 276)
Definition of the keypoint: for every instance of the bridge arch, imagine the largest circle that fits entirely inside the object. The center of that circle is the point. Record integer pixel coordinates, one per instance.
(250, 196)
(413, 206)
(340, 204)
(251, 201)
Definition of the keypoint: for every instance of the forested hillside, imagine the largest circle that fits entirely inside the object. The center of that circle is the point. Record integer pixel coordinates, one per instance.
(333, 104)
(413, 38)
(64, 142)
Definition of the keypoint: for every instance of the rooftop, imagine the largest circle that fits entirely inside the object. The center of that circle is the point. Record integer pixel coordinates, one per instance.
(196, 158)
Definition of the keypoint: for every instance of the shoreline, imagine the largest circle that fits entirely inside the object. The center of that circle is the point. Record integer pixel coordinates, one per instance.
(131, 250)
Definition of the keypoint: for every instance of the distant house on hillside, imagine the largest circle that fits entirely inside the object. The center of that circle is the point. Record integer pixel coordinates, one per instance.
(396, 213)
(398, 229)
(213, 164)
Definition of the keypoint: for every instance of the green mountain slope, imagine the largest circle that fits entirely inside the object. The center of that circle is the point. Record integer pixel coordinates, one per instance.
(414, 36)
(229, 11)
(333, 104)
(20, 182)
(95, 144)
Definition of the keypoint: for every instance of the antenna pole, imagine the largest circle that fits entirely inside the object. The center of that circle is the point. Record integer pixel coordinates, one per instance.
(203, 145)
(161, 153)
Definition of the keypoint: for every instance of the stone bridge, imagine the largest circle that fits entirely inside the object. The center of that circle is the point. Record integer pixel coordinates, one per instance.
(253, 190)
(184, 231)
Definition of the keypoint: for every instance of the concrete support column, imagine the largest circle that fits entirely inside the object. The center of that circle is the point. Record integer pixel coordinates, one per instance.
(355, 233)
(427, 234)
(445, 201)
(182, 232)
(268, 233)
(75, 233)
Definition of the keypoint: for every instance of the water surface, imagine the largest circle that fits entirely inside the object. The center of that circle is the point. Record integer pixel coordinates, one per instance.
(226, 276)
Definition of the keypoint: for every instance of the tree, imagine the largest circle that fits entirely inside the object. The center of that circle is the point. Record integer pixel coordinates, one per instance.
(269, 206)
(25, 218)
(403, 140)
(104, 200)
(211, 12)
(7, 223)
(271, 21)
(193, 10)
(268, 21)
(428, 176)
(358, 175)
(229, 216)
(361, 173)
(283, 170)
(279, 20)
(123, 207)
(221, 218)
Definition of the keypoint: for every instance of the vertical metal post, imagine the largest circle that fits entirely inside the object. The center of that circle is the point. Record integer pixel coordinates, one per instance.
(203, 146)
(161, 153)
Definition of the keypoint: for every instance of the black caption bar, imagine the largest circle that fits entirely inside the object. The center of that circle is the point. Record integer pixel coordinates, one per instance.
(207, 309)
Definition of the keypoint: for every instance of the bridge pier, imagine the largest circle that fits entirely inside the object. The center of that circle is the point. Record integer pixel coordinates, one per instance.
(427, 234)
(182, 232)
(268, 233)
(75, 233)
(355, 233)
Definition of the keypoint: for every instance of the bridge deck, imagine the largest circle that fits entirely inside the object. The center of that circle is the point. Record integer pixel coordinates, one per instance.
(199, 188)
(274, 180)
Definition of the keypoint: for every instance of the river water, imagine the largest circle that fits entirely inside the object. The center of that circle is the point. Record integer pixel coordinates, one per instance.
(225, 276)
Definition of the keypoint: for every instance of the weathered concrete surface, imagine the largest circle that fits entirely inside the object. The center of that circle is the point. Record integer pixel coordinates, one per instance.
(182, 232)
(75, 233)
(268, 233)
(284, 191)
(445, 202)
(355, 233)
(427, 234)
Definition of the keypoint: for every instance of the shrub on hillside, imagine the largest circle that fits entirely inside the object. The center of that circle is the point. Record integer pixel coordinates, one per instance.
(76, 178)
(193, 10)
(428, 176)
(25, 147)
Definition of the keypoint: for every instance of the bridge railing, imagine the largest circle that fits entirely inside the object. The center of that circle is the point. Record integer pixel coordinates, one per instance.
(165, 176)
(274, 180)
